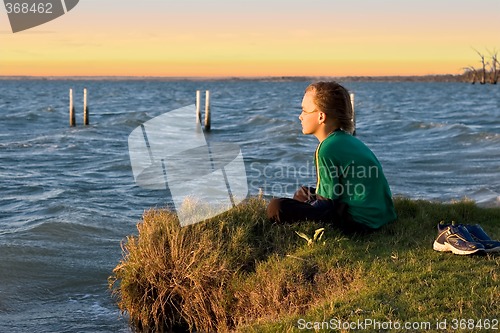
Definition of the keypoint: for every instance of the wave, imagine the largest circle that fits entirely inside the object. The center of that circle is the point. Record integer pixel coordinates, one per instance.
(66, 230)
(460, 132)
(261, 120)
(485, 197)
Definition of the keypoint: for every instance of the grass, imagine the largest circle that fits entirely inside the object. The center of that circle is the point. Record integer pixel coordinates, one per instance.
(239, 273)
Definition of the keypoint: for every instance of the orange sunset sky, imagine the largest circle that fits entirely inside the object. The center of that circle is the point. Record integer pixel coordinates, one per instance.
(254, 38)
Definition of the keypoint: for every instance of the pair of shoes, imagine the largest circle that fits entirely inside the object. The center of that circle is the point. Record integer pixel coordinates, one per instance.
(464, 239)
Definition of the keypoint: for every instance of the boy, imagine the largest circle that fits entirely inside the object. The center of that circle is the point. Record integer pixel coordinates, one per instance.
(351, 190)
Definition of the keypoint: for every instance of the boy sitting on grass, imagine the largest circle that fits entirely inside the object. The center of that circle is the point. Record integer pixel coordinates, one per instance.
(351, 190)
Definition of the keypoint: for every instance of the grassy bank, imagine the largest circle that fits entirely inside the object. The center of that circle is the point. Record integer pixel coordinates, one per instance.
(240, 273)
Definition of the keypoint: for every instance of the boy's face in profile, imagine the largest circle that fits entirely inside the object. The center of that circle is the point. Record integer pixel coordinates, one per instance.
(309, 116)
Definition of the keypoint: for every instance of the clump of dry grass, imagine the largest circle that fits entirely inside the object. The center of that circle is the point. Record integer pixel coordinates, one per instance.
(172, 276)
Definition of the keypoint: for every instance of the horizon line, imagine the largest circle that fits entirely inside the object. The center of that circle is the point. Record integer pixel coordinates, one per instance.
(226, 77)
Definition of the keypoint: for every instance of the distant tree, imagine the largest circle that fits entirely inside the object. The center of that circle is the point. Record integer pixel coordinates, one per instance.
(482, 75)
(470, 74)
(483, 72)
(494, 68)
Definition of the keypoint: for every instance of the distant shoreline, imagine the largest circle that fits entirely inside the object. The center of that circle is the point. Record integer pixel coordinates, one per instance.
(388, 78)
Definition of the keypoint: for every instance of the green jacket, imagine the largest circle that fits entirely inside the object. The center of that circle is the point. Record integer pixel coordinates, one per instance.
(347, 169)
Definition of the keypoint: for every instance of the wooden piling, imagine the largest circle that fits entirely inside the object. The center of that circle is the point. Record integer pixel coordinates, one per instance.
(207, 110)
(71, 109)
(198, 113)
(353, 115)
(85, 108)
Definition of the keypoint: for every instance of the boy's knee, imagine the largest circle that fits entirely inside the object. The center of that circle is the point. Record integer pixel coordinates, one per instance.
(305, 194)
(274, 209)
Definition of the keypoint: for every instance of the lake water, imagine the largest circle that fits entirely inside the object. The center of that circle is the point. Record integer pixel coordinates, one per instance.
(68, 196)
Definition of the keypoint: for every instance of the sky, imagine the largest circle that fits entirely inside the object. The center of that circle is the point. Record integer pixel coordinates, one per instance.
(220, 38)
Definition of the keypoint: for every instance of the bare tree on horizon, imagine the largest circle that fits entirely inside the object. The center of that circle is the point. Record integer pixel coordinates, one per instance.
(470, 71)
(483, 72)
(482, 75)
(494, 68)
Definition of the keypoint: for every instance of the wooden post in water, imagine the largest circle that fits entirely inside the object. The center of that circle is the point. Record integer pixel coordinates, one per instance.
(207, 110)
(353, 115)
(85, 108)
(71, 109)
(198, 113)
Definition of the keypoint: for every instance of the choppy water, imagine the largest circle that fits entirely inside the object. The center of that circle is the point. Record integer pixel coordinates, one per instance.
(68, 195)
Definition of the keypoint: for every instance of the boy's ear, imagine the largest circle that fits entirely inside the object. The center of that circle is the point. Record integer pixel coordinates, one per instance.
(321, 117)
